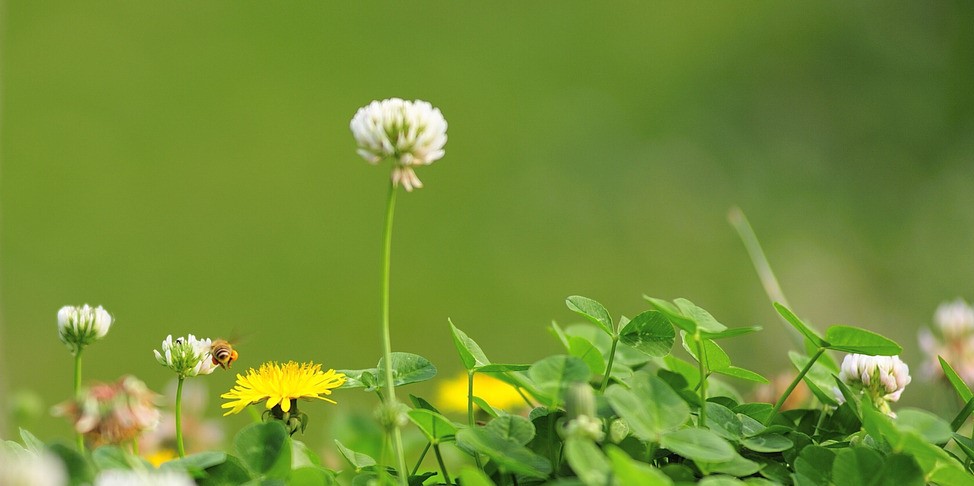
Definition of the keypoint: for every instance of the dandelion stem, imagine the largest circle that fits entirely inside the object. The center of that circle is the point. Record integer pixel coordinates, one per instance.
(608, 367)
(386, 335)
(77, 393)
(439, 459)
(794, 383)
(179, 417)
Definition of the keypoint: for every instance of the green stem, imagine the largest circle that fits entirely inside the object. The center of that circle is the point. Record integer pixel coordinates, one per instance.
(470, 398)
(179, 417)
(77, 393)
(439, 459)
(386, 335)
(794, 383)
(608, 367)
(821, 420)
(421, 457)
(703, 380)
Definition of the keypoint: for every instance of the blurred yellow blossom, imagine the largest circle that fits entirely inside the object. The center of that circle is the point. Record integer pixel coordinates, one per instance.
(452, 394)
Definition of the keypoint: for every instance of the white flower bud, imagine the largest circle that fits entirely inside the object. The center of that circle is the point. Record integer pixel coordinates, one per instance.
(81, 326)
(23, 467)
(122, 477)
(954, 319)
(881, 378)
(412, 132)
(585, 426)
(187, 356)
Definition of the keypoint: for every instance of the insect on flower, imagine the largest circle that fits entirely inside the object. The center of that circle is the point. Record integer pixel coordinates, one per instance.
(223, 353)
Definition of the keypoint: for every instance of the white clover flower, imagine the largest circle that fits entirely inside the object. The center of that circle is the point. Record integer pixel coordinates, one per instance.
(954, 318)
(162, 477)
(187, 356)
(25, 468)
(586, 427)
(881, 378)
(80, 326)
(411, 132)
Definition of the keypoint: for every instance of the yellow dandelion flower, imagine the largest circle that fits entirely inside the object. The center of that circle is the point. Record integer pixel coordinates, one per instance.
(281, 383)
(160, 457)
(452, 393)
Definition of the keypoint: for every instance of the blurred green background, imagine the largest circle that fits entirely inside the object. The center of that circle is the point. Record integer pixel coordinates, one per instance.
(188, 165)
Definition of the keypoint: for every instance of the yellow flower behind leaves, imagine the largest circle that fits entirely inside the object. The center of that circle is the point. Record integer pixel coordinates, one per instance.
(452, 393)
(281, 383)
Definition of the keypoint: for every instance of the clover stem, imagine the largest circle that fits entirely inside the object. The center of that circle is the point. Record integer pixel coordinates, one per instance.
(791, 387)
(386, 336)
(701, 357)
(608, 366)
(77, 393)
(179, 417)
(439, 460)
(422, 456)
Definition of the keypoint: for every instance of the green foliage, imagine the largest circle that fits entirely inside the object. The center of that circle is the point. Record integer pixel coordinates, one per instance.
(618, 408)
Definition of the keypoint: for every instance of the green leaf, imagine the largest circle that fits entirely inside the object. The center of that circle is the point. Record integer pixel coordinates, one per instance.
(591, 310)
(901, 470)
(705, 321)
(359, 378)
(961, 417)
(720, 480)
(406, 368)
(480, 402)
(767, 443)
(587, 460)
(698, 445)
(674, 314)
(931, 427)
(32, 443)
(650, 407)
(815, 463)
(554, 374)
(470, 352)
(583, 349)
(717, 358)
(471, 476)
(851, 397)
(634, 473)
(422, 403)
(196, 464)
(113, 457)
(512, 427)
(435, 426)
(723, 421)
(738, 466)
(742, 373)
(856, 466)
(231, 472)
(265, 449)
(797, 323)
(311, 476)
(855, 340)
(731, 332)
(507, 454)
(302, 455)
(78, 469)
(649, 332)
(958, 383)
(502, 368)
(358, 460)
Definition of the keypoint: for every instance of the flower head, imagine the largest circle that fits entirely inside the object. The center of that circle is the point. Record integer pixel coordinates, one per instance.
(411, 132)
(881, 378)
(953, 341)
(452, 393)
(187, 356)
(279, 384)
(80, 326)
(113, 413)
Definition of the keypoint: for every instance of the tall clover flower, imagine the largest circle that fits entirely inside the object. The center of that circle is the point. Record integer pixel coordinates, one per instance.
(187, 356)
(411, 133)
(882, 379)
(952, 339)
(78, 327)
(281, 385)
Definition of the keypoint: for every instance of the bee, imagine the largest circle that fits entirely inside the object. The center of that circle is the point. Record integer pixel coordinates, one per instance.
(223, 353)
